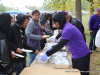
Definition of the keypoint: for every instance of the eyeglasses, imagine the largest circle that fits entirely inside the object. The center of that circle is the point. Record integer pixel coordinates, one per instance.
(67, 17)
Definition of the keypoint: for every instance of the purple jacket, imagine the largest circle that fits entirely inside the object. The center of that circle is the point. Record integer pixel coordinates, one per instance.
(33, 34)
(94, 23)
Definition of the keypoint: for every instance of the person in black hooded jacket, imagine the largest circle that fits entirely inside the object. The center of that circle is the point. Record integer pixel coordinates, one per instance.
(18, 41)
(6, 64)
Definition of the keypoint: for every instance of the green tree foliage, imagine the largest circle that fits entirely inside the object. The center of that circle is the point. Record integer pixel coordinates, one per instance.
(42, 8)
(94, 4)
(2, 8)
(85, 4)
(5, 8)
(8, 8)
(33, 8)
(59, 5)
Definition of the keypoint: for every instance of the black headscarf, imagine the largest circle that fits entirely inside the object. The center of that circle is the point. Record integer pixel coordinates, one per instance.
(60, 18)
(20, 19)
(5, 22)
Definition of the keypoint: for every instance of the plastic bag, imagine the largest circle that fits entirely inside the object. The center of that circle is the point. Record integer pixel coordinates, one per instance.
(97, 39)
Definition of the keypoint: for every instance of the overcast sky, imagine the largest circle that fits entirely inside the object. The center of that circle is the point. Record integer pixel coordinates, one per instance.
(22, 3)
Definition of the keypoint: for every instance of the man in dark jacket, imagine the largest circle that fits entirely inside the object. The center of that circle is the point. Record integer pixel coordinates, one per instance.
(6, 65)
(18, 41)
(76, 22)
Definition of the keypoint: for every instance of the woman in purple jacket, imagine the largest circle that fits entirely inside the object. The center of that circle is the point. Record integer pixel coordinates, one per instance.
(34, 34)
(73, 38)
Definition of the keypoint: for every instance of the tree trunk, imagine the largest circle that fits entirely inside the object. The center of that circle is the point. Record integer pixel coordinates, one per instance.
(78, 10)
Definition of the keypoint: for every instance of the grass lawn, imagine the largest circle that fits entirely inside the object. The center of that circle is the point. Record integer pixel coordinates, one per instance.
(95, 56)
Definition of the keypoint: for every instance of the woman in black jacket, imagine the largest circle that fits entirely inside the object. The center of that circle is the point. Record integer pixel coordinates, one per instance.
(6, 65)
(49, 29)
(48, 24)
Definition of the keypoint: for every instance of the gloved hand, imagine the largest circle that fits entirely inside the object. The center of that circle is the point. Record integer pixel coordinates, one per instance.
(54, 41)
(44, 57)
(48, 49)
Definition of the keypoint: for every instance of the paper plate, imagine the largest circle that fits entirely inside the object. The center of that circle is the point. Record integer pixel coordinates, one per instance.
(47, 36)
(25, 50)
(18, 55)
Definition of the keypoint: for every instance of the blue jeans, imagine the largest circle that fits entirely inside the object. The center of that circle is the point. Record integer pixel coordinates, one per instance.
(92, 44)
(31, 57)
(19, 67)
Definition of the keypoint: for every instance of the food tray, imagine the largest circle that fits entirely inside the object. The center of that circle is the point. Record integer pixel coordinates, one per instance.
(60, 62)
(38, 61)
(47, 36)
(59, 53)
(50, 39)
(49, 45)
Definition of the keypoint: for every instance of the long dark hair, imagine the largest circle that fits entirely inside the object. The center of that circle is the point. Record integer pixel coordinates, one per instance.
(45, 18)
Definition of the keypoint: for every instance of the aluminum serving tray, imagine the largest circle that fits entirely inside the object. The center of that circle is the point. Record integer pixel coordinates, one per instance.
(61, 62)
(60, 53)
(38, 59)
(49, 45)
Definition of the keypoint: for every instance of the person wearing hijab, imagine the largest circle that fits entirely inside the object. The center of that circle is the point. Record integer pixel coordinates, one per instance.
(48, 24)
(18, 41)
(6, 64)
(74, 21)
(73, 38)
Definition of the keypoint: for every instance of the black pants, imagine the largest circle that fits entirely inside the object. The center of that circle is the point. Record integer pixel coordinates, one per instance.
(82, 64)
